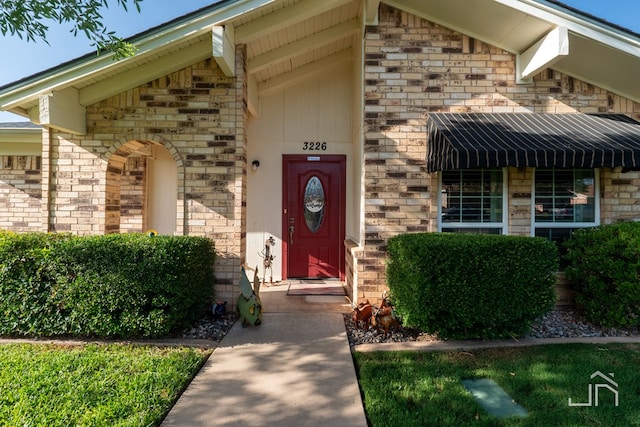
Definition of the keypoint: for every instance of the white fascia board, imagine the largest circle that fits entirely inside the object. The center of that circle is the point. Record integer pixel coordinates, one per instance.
(20, 148)
(21, 135)
(598, 32)
(15, 95)
(542, 55)
(20, 141)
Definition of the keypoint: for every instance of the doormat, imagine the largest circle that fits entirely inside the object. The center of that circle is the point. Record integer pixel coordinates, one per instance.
(321, 288)
(493, 398)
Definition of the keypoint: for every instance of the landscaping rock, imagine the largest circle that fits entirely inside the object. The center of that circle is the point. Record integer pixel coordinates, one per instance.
(210, 327)
(561, 322)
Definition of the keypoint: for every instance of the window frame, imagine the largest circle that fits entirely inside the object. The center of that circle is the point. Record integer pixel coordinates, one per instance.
(501, 226)
(566, 224)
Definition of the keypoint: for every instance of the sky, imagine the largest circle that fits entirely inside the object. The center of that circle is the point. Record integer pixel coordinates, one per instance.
(27, 58)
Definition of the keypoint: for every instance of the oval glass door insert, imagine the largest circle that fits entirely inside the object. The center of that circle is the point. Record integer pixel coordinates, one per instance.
(314, 202)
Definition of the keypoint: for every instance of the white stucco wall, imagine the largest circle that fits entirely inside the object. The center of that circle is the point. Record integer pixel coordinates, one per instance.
(162, 194)
(317, 110)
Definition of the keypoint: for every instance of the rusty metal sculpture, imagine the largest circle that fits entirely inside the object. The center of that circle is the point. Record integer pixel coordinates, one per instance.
(384, 317)
(249, 306)
(366, 315)
(361, 314)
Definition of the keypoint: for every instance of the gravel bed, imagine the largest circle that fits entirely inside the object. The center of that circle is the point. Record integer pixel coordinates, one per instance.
(567, 323)
(563, 322)
(560, 323)
(210, 327)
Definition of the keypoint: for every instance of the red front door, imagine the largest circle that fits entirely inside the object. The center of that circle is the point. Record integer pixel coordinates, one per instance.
(313, 216)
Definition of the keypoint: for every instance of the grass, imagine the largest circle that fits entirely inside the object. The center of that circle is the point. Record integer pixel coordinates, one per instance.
(420, 389)
(92, 385)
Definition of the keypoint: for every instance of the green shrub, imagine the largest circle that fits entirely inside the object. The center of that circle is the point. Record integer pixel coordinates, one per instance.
(117, 285)
(471, 286)
(29, 301)
(604, 267)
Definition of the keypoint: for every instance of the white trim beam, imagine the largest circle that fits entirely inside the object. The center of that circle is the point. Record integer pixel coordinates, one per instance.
(304, 73)
(224, 48)
(61, 110)
(283, 18)
(302, 46)
(541, 55)
(371, 12)
(253, 100)
(20, 141)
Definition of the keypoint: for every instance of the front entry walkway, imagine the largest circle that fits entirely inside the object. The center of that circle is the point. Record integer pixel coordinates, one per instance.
(277, 298)
(293, 370)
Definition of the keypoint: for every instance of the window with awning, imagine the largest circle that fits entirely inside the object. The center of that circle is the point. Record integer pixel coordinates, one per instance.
(493, 140)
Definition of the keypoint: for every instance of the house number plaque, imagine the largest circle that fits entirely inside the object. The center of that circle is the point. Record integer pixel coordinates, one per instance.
(314, 146)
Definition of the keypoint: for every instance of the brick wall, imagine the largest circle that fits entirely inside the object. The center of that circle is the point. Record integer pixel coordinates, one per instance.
(413, 67)
(76, 182)
(520, 182)
(133, 195)
(619, 196)
(21, 193)
(199, 116)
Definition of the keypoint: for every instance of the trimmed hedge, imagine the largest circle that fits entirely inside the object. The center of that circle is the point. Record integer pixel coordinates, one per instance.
(469, 286)
(604, 267)
(117, 285)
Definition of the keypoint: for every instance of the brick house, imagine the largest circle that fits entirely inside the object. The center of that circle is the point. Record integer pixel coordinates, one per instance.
(332, 126)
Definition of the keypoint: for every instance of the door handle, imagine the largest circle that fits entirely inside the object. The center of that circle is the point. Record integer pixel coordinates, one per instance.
(291, 230)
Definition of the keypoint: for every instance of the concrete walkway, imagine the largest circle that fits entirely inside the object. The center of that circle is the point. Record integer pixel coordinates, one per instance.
(293, 370)
(296, 368)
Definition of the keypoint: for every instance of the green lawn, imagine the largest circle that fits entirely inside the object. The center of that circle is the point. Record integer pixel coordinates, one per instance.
(425, 389)
(92, 385)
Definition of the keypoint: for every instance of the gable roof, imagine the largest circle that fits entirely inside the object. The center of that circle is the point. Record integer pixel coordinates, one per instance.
(596, 51)
(284, 37)
(19, 125)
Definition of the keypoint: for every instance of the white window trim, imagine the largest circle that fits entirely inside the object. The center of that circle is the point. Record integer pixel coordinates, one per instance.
(596, 196)
(503, 226)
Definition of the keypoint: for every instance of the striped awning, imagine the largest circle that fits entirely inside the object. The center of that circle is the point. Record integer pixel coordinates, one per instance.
(478, 140)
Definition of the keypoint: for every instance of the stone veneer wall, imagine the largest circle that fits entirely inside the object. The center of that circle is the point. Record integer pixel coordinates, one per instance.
(413, 67)
(199, 115)
(21, 193)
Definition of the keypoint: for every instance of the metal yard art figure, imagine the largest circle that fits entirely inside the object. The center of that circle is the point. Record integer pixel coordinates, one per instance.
(249, 306)
(366, 315)
(268, 259)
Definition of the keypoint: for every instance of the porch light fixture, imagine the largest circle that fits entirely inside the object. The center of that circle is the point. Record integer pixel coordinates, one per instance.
(255, 165)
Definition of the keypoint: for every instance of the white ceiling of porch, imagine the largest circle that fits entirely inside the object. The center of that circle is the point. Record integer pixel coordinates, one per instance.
(292, 39)
(598, 54)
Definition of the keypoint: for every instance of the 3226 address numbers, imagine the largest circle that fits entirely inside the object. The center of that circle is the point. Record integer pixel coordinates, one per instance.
(314, 146)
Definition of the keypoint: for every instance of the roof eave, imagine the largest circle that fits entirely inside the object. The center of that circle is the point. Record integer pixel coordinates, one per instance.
(15, 94)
